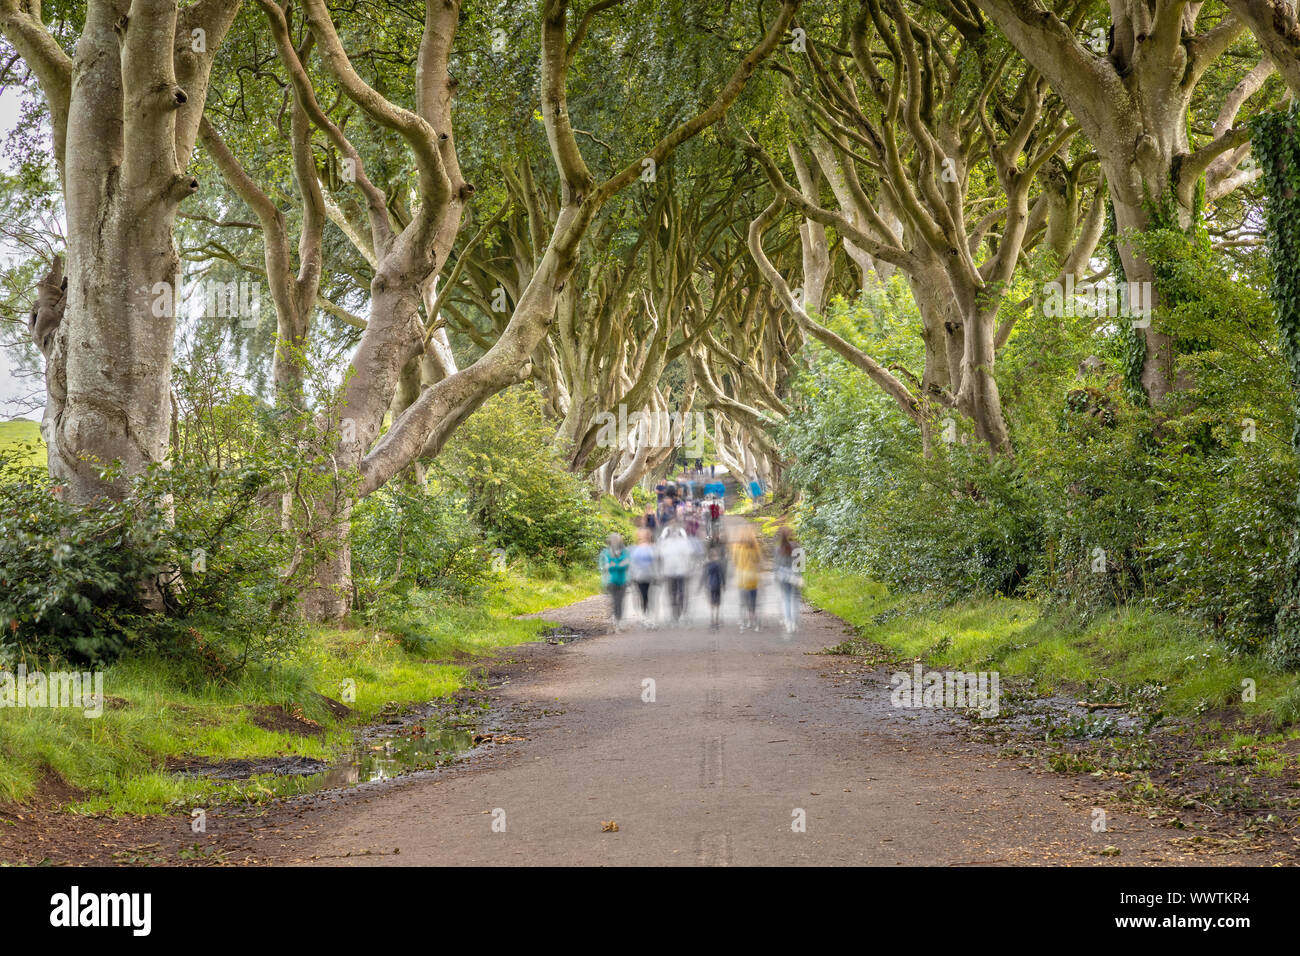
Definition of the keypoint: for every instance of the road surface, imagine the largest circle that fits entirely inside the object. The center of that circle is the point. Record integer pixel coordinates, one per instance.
(754, 748)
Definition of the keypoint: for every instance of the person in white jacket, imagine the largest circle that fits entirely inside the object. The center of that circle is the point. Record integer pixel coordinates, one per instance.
(678, 557)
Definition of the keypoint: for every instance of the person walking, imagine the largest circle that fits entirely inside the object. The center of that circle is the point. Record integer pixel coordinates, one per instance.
(676, 558)
(715, 579)
(613, 573)
(693, 520)
(746, 558)
(642, 570)
(666, 510)
(787, 568)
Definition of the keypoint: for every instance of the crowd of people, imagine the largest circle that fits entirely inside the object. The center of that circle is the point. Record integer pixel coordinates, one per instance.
(683, 547)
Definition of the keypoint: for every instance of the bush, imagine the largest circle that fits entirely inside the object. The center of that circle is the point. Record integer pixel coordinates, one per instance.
(1186, 507)
(190, 549)
(957, 523)
(70, 578)
(232, 585)
(504, 464)
(408, 536)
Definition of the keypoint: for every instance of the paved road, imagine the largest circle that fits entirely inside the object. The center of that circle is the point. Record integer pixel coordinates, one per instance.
(747, 734)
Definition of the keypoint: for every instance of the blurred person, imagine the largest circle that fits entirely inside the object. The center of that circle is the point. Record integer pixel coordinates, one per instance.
(613, 574)
(642, 571)
(676, 561)
(787, 568)
(746, 558)
(693, 520)
(715, 579)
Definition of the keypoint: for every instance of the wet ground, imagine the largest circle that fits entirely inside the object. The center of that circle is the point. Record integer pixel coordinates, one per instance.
(688, 745)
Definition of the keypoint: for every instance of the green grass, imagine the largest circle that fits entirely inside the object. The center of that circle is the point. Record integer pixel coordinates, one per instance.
(24, 436)
(1128, 648)
(167, 712)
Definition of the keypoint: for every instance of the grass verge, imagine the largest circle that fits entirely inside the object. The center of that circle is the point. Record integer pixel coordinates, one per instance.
(1114, 655)
(158, 713)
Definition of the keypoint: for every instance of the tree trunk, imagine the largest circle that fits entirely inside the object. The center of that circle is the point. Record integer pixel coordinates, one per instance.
(330, 594)
(978, 398)
(1158, 364)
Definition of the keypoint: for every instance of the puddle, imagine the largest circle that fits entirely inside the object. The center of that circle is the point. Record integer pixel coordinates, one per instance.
(244, 769)
(432, 736)
(384, 758)
(563, 634)
(1054, 715)
(1063, 716)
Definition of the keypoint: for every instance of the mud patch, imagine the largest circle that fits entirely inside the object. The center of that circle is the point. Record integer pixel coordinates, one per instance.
(242, 769)
(52, 791)
(276, 719)
(335, 707)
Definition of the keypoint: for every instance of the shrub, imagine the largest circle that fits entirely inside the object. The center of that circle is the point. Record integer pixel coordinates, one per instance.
(504, 464)
(70, 578)
(188, 550)
(1186, 507)
(410, 536)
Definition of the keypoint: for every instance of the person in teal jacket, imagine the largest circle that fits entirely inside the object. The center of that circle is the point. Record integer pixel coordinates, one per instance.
(613, 574)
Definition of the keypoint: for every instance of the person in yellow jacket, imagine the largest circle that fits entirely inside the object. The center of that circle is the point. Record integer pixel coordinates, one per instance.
(746, 561)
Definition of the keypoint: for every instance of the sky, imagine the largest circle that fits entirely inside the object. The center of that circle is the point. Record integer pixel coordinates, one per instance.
(12, 388)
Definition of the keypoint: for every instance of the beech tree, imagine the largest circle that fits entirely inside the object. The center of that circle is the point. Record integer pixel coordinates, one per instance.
(409, 258)
(125, 109)
(918, 134)
(1129, 87)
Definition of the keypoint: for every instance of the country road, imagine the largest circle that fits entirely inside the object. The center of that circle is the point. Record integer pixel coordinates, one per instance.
(747, 734)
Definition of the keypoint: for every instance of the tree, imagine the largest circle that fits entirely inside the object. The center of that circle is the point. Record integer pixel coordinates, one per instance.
(1131, 96)
(124, 110)
(953, 139)
(408, 259)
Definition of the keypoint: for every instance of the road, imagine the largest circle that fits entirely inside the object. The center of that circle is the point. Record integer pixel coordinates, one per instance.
(747, 736)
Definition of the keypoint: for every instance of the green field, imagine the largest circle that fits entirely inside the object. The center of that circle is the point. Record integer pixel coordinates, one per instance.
(20, 433)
